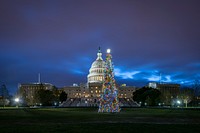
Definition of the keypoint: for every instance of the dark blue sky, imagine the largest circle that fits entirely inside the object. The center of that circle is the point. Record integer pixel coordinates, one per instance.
(60, 39)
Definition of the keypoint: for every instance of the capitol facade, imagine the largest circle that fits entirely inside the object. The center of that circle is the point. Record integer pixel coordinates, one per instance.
(89, 93)
(83, 94)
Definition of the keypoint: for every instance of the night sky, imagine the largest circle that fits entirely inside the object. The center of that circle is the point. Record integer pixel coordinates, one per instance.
(60, 40)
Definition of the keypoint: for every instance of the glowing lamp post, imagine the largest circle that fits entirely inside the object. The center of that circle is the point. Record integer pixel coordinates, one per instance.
(186, 102)
(17, 102)
(178, 103)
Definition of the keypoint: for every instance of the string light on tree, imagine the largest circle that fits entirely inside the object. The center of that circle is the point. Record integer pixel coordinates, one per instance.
(109, 101)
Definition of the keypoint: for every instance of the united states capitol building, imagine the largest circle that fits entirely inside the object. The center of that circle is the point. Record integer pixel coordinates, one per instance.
(88, 94)
(83, 94)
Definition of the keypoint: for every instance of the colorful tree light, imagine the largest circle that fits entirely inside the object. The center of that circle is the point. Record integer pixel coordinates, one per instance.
(109, 101)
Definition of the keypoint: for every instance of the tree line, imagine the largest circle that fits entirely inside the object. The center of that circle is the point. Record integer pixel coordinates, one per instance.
(147, 96)
(49, 97)
(153, 97)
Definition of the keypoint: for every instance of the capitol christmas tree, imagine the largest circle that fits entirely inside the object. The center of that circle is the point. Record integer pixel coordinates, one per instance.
(109, 101)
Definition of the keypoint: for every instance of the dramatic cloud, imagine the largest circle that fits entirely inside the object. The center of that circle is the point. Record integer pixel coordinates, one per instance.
(60, 39)
(125, 74)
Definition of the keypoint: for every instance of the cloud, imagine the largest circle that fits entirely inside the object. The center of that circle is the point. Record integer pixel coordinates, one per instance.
(125, 74)
(61, 43)
(168, 78)
(153, 78)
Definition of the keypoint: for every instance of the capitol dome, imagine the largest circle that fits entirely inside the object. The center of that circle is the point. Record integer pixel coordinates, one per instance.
(96, 72)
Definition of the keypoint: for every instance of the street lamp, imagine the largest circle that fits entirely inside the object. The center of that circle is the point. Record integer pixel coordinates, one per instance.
(178, 103)
(186, 102)
(17, 101)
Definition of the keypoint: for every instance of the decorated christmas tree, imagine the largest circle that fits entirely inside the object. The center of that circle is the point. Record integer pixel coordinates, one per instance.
(109, 101)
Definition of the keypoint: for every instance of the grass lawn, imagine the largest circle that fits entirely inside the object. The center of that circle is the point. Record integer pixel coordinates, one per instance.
(135, 120)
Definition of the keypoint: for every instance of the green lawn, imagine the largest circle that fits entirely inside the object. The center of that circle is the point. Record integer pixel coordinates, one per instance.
(135, 120)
